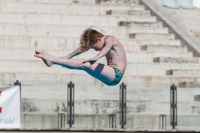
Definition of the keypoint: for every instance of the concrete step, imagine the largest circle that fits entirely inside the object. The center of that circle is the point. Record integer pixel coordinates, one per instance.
(31, 85)
(10, 54)
(103, 93)
(75, 20)
(129, 12)
(117, 2)
(91, 107)
(175, 55)
(108, 95)
(83, 9)
(177, 60)
(102, 2)
(140, 24)
(71, 32)
(135, 45)
(197, 97)
(154, 95)
(60, 92)
(82, 107)
(187, 95)
(164, 48)
(46, 92)
(83, 93)
(139, 43)
(155, 108)
(189, 85)
(49, 79)
(71, 43)
(156, 70)
(38, 122)
(184, 72)
(141, 36)
(48, 122)
(139, 69)
(57, 1)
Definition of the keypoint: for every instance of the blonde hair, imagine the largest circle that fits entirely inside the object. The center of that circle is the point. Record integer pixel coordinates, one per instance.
(89, 38)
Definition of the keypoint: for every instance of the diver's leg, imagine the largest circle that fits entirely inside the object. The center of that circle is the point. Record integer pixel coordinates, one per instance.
(102, 72)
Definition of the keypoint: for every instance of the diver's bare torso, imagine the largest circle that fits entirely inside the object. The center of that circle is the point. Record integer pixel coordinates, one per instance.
(116, 57)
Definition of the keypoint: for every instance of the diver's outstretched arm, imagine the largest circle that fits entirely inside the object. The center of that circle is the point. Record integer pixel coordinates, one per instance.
(74, 53)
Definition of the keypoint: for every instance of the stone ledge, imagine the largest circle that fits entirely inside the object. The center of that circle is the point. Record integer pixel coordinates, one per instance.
(96, 130)
(111, 2)
(161, 48)
(129, 12)
(177, 72)
(56, 1)
(176, 60)
(153, 37)
(117, 2)
(189, 84)
(76, 19)
(71, 32)
(140, 24)
(27, 7)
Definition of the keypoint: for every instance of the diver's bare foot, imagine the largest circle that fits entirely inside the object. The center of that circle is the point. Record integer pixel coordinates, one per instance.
(45, 57)
(38, 52)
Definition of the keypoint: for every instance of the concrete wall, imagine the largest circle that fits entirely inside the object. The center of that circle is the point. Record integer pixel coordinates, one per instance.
(156, 59)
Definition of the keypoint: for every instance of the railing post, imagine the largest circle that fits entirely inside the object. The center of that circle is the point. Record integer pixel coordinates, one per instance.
(70, 104)
(162, 118)
(122, 99)
(61, 120)
(112, 121)
(173, 106)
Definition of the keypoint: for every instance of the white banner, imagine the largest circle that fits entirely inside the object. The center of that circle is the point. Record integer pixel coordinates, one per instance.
(10, 107)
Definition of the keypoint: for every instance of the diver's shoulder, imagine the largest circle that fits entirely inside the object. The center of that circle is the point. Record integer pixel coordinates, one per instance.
(109, 37)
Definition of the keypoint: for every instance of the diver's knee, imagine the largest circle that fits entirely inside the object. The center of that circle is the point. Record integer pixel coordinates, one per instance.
(86, 65)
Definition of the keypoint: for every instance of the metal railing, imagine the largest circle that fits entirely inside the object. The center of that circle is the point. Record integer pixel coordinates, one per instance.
(122, 109)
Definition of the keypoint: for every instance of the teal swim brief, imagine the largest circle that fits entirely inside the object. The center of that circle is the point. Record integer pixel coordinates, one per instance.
(118, 77)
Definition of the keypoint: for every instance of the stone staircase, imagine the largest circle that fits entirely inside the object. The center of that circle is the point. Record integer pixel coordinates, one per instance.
(155, 61)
